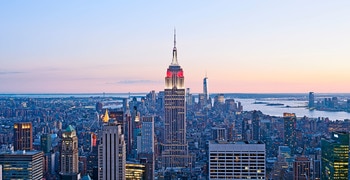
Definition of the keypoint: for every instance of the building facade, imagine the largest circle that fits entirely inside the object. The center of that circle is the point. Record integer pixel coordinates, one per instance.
(22, 165)
(240, 160)
(289, 130)
(302, 168)
(147, 135)
(335, 156)
(23, 136)
(112, 153)
(311, 104)
(175, 147)
(69, 154)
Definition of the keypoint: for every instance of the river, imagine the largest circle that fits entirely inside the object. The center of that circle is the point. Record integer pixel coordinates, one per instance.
(249, 105)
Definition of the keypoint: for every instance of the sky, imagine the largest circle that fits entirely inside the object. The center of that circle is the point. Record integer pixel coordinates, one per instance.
(126, 46)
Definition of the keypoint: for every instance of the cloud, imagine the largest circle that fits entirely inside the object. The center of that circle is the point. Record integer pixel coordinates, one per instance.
(10, 72)
(136, 82)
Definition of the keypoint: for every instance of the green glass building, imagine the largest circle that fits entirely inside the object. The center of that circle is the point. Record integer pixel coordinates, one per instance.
(335, 156)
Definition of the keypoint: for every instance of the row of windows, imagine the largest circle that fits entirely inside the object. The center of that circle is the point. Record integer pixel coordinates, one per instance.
(236, 171)
(238, 154)
(237, 177)
(238, 167)
(231, 157)
(236, 161)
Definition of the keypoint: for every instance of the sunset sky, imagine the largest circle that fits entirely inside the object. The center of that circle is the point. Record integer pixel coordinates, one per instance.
(110, 46)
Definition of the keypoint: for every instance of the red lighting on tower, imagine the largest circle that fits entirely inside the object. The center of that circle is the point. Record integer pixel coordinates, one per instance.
(180, 74)
(168, 74)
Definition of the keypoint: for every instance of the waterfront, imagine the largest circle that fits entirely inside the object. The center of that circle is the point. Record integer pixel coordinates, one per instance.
(296, 102)
(295, 106)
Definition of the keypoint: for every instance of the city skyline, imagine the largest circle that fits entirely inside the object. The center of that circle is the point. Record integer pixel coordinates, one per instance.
(245, 47)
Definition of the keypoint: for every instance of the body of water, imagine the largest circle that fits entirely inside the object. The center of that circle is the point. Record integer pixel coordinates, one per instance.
(295, 106)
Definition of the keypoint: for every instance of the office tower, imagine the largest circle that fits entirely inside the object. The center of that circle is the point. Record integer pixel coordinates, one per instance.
(311, 100)
(240, 160)
(175, 148)
(146, 153)
(134, 171)
(189, 99)
(219, 102)
(111, 153)
(256, 126)
(136, 142)
(202, 102)
(247, 129)
(205, 89)
(335, 156)
(69, 154)
(302, 168)
(230, 105)
(147, 135)
(46, 142)
(117, 115)
(128, 133)
(99, 106)
(219, 134)
(22, 164)
(23, 136)
(289, 130)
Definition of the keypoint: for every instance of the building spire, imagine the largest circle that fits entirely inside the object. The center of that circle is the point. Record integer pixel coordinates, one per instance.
(174, 38)
(174, 61)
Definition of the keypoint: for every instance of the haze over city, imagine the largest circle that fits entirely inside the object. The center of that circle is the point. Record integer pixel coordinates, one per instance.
(242, 46)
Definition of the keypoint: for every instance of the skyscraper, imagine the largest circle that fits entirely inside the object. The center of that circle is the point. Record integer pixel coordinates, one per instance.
(311, 100)
(22, 165)
(175, 148)
(112, 153)
(205, 88)
(45, 142)
(289, 130)
(23, 136)
(147, 135)
(256, 126)
(302, 168)
(335, 156)
(240, 160)
(69, 154)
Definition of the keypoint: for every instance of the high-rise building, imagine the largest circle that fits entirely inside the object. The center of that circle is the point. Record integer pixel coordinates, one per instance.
(175, 147)
(289, 130)
(46, 142)
(247, 129)
(219, 134)
(136, 133)
(147, 135)
(23, 136)
(205, 88)
(134, 171)
(240, 160)
(22, 164)
(69, 154)
(335, 156)
(302, 168)
(256, 126)
(112, 153)
(311, 100)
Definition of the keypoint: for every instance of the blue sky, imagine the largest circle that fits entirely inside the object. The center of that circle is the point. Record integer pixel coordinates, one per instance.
(112, 46)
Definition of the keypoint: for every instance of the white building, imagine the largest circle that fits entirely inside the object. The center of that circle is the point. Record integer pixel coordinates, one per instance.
(112, 153)
(240, 160)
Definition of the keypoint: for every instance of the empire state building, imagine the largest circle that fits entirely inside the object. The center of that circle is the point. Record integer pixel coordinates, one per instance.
(175, 148)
